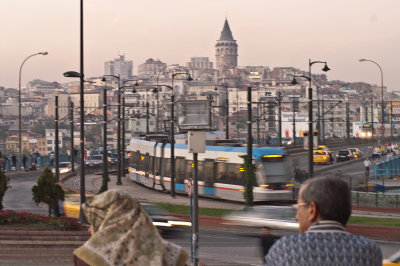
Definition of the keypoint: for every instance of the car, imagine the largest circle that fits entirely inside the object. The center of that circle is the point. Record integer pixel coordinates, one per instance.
(162, 219)
(95, 160)
(112, 158)
(72, 205)
(321, 157)
(392, 260)
(343, 155)
(63, 168)
(356, 153)
(274, 217)
(287, 141)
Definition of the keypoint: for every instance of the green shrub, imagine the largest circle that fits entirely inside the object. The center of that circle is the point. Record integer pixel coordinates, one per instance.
(47, 191)
(3, 183)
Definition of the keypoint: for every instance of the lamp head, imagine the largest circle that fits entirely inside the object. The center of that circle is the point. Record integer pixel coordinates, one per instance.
(44, 53)
(362, 60)
(189, 78)
(72, 74)
(136, 83)
(326, 68)
(215, 88)
(103, 79)
(294, 81)
(155, 90)
(134, 90)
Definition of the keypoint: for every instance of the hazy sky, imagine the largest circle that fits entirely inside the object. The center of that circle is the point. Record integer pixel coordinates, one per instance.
(269, 33)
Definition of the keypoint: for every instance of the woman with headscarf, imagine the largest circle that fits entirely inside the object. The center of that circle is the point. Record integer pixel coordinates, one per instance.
(123, 234)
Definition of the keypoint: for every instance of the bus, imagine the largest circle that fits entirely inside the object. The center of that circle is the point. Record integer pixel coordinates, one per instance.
(220, 170)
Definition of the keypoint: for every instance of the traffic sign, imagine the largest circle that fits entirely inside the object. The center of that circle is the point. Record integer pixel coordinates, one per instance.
(189, 187)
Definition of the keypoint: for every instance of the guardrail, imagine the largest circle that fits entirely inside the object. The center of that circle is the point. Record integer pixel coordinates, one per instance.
(387, 168)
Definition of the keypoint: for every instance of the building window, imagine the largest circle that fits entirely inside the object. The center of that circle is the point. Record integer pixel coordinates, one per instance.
(49, 142)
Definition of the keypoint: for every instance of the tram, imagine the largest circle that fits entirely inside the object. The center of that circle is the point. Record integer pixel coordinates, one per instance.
(366, 130)
(220, 170)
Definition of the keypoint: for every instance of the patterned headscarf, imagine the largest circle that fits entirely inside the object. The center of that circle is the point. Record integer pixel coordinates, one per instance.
(124, 234)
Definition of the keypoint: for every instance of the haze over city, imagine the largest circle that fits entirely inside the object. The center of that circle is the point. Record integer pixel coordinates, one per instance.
(269, 33)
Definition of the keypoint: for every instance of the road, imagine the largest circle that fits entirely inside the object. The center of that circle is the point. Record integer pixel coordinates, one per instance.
(225, 247)
(18, 196)
(300, 160)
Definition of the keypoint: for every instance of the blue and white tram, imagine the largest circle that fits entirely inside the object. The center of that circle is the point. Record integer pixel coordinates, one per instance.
(220, 170)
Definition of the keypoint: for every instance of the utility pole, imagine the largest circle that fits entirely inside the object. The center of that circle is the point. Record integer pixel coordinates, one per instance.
(71, 123)
(57, 151)
(104, 185)
(280, 118)
(391, 120)
(294, 123)
(323, 121)
(347, 118)
(258, 123)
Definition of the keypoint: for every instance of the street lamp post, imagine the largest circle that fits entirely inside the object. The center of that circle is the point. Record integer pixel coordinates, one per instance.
(74, 74)
(172, 127)
(382, 103)
(172, 130)
(19, 106)
(310, 114)
(226, 109)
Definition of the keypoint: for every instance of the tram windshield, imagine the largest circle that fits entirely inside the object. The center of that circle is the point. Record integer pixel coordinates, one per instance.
(275, 170)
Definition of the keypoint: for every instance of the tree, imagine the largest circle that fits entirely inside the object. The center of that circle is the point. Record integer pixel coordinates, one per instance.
(47, 191)
(3, 183)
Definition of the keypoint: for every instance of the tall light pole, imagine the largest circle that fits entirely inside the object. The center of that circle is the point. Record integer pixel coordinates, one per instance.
(226, 108)
(382, 103)
(74, 74)
(172, 129)
(310, 114)
(19, 106)
(119, 156)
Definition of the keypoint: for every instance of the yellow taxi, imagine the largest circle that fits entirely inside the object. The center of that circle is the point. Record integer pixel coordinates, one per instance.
(72, 205)
(321, 157)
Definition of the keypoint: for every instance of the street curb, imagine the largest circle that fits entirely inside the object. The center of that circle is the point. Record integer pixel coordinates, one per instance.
(387, 233)
(376, 209)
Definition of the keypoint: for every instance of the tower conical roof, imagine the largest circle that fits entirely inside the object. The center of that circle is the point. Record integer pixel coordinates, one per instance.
(226, 34)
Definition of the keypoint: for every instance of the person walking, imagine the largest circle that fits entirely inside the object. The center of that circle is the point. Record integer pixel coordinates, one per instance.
(24, 159)
(323, 210)
(14, 161)
(266, 241)
(367, 164)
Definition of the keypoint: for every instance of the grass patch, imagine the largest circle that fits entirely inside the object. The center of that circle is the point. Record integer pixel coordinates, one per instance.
(182, 209)
(374, 221)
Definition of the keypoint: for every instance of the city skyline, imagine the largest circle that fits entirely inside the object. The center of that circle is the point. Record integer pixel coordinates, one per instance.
(268, 33)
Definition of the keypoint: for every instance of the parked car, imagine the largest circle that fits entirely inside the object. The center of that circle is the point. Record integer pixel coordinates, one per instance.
(63, 168)
(344, 155)
(275, 217)
(356, 153)
(321, 157)
(95, 160)
(287, 141)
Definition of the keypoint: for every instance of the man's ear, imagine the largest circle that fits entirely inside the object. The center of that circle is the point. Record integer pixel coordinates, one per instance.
(313, 213)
